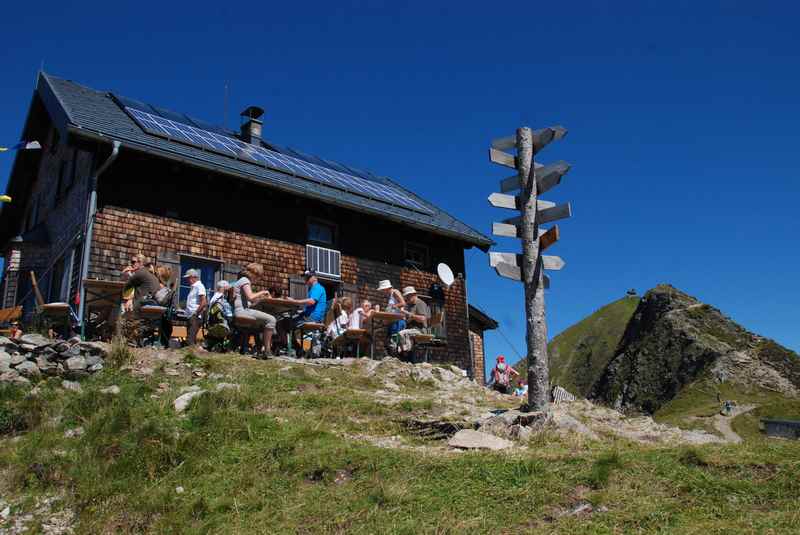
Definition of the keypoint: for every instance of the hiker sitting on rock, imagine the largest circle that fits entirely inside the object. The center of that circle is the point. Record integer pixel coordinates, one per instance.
(501, 375)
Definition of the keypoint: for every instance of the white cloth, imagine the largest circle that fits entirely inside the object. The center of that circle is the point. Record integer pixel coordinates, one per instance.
(193, 299)
(355, 318)
(338, 326)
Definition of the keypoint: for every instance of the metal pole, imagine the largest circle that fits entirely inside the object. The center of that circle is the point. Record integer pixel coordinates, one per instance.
(532, 277)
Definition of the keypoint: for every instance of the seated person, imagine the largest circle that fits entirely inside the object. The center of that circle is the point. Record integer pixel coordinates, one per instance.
(417, 316)
(361, 315)
(314, 305)
(341, 310)
(244, 297)
(501, 375)
(220, 312)
(522, 389)
(395, 304)
(140, 280)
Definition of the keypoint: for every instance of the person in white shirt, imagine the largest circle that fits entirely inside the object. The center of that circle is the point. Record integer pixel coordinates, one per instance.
(341, 309)
(196, 304)
(360, 315)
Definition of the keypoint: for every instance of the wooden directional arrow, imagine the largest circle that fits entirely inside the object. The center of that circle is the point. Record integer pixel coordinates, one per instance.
(549, 176)
(503, 158)
(555, 213)
(513, 272)
(553, 263)
(501, 200)
(544, 136)
(505, 143)
(505, 230)
(504, 258)
(513, 182)
(548, 238)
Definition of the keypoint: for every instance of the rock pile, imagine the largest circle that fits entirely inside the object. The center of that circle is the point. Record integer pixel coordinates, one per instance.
(33, 356)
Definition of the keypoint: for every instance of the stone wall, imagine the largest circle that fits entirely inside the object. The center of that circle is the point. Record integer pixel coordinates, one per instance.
(120, 233)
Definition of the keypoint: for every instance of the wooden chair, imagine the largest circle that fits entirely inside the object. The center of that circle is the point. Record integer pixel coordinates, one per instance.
(55, 314)
(243, 328)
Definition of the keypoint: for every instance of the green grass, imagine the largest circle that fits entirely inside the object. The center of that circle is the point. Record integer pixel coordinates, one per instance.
(579, 355)
(276, 457)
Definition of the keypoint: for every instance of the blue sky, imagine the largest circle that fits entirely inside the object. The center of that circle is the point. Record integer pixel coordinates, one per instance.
(681, 116)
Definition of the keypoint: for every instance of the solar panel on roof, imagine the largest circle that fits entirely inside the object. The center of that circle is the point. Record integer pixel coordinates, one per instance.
(235, 148)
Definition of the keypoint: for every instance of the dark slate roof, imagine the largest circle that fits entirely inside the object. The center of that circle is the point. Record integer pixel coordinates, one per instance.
(86, 111)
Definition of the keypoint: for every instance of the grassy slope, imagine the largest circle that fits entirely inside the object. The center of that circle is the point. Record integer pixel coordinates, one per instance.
(579, 355)
(265, 460)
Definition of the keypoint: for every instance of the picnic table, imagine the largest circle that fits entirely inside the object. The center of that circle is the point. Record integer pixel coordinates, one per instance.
(101, 296)
(384, 318)
(349, 336)
(277, 304)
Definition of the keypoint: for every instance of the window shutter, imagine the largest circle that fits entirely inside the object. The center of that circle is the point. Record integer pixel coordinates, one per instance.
(230, 272)
(297, 288)
(172, 261)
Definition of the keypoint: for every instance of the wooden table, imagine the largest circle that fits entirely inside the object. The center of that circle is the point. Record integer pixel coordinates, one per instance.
(384, 318)
(277, 304)
(351, 335)
(100, 294)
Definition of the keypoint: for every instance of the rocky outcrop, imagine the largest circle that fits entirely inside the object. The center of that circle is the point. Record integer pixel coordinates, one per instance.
(33, 356)
(673, 339)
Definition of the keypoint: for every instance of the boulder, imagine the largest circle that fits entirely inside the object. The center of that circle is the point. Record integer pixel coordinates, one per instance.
(182, 402)
(48, 366)
(13, 376)
(91, 360)
(468, 439)
(96, 367)
(28, 369)
(99, 349)
(75, 364)
(17, 359)
(35, 340)
(7, 342)
(72, 386)
(5, 360)
(112, 390)
(227, 386)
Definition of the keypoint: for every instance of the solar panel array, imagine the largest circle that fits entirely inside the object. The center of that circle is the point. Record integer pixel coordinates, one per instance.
(236, 148)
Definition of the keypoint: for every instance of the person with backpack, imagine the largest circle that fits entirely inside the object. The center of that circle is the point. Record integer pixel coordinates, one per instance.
(220, 316)
(501, 374)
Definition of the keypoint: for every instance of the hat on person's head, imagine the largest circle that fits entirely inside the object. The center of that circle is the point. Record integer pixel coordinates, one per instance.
(384, 284)
(501, 358)
(307, 274)
(191, 273)
(408, 290)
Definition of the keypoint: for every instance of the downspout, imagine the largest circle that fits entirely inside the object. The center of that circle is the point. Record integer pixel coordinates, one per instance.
(87, 241)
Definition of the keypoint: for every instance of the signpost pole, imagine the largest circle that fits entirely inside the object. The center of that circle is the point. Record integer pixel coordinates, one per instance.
(532, 277)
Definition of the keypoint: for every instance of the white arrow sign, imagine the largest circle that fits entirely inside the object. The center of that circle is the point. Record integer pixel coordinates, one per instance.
(553, 263)
(505, 143)
(503, 158)
(503, 258)
(505, 230)
(544, 136)
(513, 272)
(501, 200)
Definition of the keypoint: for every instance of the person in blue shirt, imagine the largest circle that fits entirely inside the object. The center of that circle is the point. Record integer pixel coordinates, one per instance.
(314, 305)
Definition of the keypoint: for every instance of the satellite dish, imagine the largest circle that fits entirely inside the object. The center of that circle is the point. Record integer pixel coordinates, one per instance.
(445, 274)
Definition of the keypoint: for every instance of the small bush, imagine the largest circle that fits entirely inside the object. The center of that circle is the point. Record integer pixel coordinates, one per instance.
(120, 354)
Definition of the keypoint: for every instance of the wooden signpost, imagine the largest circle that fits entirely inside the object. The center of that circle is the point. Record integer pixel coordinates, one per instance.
(532, 179)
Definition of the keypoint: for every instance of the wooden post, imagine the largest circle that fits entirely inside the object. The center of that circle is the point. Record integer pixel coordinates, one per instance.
(532, 277)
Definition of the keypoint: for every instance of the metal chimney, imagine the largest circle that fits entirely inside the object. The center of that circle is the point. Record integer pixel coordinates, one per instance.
(251, 125)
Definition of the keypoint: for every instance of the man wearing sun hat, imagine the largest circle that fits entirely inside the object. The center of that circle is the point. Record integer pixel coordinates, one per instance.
(196, 303)
(417, 316)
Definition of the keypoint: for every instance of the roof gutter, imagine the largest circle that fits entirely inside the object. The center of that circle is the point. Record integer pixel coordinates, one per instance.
(87, 242)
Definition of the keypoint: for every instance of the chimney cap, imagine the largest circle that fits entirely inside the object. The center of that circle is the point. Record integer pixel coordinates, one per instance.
(252, 112)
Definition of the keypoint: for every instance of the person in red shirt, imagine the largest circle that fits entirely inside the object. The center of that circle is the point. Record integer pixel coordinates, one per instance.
(501, 375)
